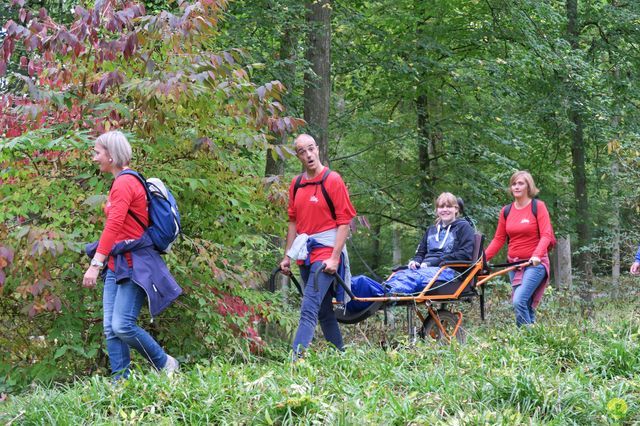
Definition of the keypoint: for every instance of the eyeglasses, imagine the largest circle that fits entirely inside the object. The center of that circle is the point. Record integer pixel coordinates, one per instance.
(310, 148)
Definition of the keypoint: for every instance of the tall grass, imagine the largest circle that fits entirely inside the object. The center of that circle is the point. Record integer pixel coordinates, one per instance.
(566, 370)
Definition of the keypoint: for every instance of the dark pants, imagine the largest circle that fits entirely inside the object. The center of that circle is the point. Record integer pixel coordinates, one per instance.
(316, 306)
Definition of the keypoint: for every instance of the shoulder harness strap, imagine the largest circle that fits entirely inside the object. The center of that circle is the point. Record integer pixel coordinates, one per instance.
(534, 210)
(325, 193)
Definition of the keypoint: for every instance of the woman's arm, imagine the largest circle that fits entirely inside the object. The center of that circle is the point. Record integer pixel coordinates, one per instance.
(499, 237)
(121, 196)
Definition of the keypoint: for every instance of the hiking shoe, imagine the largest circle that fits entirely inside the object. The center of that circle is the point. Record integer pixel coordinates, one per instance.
(171, 366)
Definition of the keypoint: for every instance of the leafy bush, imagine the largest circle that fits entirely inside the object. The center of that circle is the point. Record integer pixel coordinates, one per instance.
(195, 120)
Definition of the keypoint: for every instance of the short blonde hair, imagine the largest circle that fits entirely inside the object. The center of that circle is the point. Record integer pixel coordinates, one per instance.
(532, 189)
(118, 147)
(447, 199)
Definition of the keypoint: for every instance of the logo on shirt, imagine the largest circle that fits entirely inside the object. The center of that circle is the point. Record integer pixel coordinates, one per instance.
(313, 199)
(525, 220)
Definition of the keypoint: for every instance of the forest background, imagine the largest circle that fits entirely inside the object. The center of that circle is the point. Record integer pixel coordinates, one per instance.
(406, 99)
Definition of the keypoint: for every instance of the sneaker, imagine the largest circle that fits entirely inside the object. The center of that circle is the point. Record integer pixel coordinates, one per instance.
(171, 366)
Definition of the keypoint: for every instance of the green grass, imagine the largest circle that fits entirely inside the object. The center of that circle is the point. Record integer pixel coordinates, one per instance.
(565, 370)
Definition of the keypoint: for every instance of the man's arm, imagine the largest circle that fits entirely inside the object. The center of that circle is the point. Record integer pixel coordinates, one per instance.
(285, 264)
(341, 238)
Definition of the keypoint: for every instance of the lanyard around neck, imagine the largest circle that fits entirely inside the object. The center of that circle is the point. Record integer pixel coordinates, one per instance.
(446, 235)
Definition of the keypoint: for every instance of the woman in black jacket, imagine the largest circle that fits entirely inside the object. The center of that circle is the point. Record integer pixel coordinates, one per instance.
(450, 238)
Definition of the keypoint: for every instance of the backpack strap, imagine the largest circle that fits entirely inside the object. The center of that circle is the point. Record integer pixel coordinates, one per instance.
(325, 193)
(297, 186)
(332, 208)
(534, 207)
(506, 210)
(534, 210)
(143, 182)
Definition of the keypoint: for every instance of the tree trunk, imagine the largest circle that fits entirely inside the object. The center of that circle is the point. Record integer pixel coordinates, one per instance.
(563, 277)
(578, 169)
(317, 89)
(578, 154)
(426, 151)
(427, 133)
(615, 226)
(275, 166)
(397, 249)
(615, 201)
(375, 244)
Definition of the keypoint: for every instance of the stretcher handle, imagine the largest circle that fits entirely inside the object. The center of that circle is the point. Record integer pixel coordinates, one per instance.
(512, 266)
(336, 277)
(272, 280)
(520, 263)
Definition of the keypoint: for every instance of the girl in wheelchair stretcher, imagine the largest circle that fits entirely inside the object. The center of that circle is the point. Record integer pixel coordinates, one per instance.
(451, 238)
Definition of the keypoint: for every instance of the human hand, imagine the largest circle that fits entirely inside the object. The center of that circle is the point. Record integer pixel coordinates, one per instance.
(424, 265)
(635, 268)
(413, 265)
(90, 277)
(331, 265)
(535, 261)
(285, 265)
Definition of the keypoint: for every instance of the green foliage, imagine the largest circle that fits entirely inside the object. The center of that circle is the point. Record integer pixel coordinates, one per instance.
(196, 120)
(549, 374)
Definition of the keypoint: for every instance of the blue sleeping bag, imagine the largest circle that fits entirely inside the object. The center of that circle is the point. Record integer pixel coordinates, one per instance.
(363, 286)
(406, 281)
(410, 281)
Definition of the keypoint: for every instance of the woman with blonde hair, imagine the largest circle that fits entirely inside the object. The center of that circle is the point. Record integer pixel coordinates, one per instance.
(526, 228)
(451, 238)
(134, 274)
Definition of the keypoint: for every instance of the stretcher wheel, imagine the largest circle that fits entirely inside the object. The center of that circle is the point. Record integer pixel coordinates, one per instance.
(448, 320)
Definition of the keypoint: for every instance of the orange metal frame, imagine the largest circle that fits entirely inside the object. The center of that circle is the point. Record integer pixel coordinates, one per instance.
(425, 298)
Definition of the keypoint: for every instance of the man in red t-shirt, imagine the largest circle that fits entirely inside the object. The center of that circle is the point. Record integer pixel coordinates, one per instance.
(314, 226)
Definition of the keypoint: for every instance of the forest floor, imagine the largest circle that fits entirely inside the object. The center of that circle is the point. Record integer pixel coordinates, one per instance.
(575, 366)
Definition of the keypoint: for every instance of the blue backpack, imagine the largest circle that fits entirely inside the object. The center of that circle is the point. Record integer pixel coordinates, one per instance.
(164, 218)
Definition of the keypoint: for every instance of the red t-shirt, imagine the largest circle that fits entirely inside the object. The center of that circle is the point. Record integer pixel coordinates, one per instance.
(126, 194)
(311, 213)
(522, 228)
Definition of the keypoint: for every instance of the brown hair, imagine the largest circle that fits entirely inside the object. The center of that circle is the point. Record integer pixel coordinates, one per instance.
(447, 199)
(532, 189)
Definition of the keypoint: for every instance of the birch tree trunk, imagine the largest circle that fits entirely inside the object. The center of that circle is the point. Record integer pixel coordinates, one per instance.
(397, 249)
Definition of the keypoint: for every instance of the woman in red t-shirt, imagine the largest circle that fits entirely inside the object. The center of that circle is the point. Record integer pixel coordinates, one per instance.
(528, 233)
(122, 300)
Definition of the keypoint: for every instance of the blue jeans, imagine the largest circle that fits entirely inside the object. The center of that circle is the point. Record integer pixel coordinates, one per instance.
(523, 293)
(122, 303)
(316, 305)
